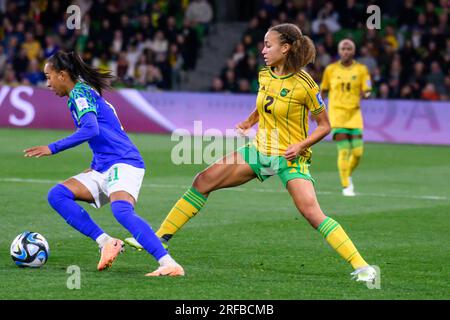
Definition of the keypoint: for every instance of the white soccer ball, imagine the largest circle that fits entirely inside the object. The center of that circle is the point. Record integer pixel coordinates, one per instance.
(29, 249)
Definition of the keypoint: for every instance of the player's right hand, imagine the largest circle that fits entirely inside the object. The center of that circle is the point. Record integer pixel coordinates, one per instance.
(243, 127)
(37, 152)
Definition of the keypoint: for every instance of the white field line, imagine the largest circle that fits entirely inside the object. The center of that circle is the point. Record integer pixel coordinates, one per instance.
(241, 189)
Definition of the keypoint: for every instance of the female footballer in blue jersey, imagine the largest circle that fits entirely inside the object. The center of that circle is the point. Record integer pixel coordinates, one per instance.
(117, 168)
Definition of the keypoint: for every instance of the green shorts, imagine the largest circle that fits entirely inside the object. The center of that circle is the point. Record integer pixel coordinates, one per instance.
(266, 166)
(353, 132)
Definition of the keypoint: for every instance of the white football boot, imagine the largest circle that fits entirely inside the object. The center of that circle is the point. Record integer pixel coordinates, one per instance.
(365, 274)
(349, 191)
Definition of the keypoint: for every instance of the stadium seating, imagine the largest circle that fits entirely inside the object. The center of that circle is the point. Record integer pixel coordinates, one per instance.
(128, 42)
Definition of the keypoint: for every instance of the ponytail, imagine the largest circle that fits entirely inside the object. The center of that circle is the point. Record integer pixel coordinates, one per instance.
(302, 50)
(79, 70)
(306, 51)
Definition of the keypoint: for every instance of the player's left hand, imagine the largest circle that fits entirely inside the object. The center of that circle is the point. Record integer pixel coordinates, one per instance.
(38, 152)
(293, 151)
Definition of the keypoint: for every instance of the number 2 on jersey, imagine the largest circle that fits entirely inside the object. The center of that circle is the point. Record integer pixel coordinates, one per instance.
(269, 102)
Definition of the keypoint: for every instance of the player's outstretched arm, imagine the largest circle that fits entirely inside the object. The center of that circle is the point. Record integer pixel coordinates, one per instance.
(89, 129)
(39, 151)
(243, 127)
(323, 128)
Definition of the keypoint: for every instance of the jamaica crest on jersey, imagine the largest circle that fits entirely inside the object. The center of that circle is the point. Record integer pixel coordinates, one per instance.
(284, 92)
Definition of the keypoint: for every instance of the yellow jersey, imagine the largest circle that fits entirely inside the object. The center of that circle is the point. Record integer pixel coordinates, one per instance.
(345, 85)
(283, 103)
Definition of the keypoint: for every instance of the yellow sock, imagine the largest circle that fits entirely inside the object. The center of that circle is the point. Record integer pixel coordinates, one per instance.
(335, 235)
(186, 208)
(343, 161)
(356, 154)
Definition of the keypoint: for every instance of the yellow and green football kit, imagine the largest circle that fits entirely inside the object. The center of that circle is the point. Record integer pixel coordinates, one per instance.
(266, 166)
(283, 105)
(344, 85)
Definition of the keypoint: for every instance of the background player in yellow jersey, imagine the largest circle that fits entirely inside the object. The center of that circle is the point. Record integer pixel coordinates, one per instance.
(346, 80)
(282, 146)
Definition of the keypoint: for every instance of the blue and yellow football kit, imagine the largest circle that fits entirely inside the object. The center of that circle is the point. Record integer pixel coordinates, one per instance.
(111, 145)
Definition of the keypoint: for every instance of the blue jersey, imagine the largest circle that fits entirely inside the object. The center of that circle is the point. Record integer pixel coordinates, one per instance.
(111, 145)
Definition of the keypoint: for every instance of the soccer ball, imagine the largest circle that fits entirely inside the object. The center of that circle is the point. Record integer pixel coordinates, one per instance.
(29, 249)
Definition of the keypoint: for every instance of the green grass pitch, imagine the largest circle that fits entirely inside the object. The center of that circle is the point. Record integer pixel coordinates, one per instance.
(248, 242)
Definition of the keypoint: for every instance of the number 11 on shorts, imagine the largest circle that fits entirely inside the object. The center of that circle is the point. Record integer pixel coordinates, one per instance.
(115, 173)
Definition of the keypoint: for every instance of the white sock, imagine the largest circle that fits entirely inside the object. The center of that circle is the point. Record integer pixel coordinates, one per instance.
(166, 260)
(103, 239)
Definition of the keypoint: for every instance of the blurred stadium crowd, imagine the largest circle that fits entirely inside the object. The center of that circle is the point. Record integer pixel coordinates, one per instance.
(149, 43)
(408, 58)
(145, 43)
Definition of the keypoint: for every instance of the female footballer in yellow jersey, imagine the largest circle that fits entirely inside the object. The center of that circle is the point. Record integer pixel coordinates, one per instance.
(281, 147)
(346, 80)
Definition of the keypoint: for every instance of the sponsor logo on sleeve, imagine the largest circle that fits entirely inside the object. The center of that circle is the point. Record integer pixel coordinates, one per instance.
(319, 99)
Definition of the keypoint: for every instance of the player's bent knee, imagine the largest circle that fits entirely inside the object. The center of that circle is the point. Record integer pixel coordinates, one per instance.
(314, 219)
(202, 183)
(57, 194)
(307, 212)
(312, 213)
